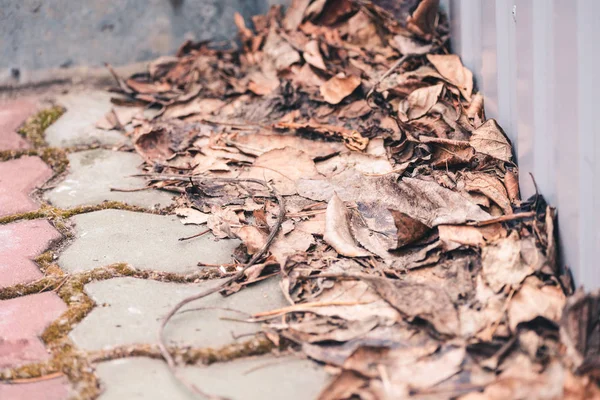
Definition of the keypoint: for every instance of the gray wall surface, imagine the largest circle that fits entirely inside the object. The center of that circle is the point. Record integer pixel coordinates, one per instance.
(535, 61)
(48, 34)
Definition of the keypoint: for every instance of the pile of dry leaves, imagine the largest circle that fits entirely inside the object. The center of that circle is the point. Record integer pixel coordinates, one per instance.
(350, 153)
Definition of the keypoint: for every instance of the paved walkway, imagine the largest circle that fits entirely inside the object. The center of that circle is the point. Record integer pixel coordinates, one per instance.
(87, 274)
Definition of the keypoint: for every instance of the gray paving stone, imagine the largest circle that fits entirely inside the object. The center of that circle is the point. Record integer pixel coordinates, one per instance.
(145, 241)
(263, 378)
(130, 311)
(93, 173)
(77, 125)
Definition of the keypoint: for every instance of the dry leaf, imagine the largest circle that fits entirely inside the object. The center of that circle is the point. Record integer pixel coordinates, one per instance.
(490, 139)
(419, 102)
(409, 229)
(454, 236)
(294, 14)
(490, 186)
(339, 87)
(337, 230)
(451, 68)
(534, 299)
(312, 55)
(191, 216)
(422, 22)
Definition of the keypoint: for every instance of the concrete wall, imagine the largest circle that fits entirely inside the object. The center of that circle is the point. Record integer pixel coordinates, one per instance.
(48, 34)
(536, 63)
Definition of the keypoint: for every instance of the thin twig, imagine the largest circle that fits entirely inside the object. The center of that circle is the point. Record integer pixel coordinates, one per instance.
(505, 218)
(280, 217)
(194, 236)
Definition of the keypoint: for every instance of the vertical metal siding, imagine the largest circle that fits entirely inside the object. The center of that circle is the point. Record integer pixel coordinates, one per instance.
(535, 62)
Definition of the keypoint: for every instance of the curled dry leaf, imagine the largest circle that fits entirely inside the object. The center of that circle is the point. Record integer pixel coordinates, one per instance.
(451, 68)
(511, 183)
(312, 55)
(454, 236)
(253, 238)
(490, 139)
(337, 230)
(422, 22)
(191, 216)
(534, 299)
(490, 186)
(294, 14)
(420, 101)
(339, 87)
(409, 229)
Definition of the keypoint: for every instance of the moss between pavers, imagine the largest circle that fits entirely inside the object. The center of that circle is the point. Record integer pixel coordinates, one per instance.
(33, 129)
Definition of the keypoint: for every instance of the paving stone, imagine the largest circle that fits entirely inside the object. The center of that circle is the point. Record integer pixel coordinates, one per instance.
(145, 241)
(54, 389)
(23, 321)
(131, 311)
(77, 126)
(258, 378)
(12, 115)
(93, 173)
(20, 242)
(18, 178)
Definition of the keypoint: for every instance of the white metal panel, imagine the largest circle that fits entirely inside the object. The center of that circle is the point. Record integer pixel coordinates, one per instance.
(535, 62)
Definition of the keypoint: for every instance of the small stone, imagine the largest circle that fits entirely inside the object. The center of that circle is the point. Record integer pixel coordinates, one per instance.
(93, 173)
(23, 321)
(258, 378)
(20, 242)
(18, 178)
(77, 126)
(135, 308)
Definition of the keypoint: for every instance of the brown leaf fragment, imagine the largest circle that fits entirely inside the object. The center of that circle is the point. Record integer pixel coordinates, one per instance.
(423, 20)
(342, 386)
(507, 262)
(490, 186)
(312, 55)
(419, 300)
(198, 105)
(254, 239)
(511, 183)
(294, 14)
(257, 144)
(339, 87)
(222, 222)
(534, 299)
(148, 87)
(285, 245)
(337, 230)
(279, 52)
(409, 229)
(451, 68)
(420, 101)
(454, 236)
(447, 152)
(490, 139)
(191, 216)
(407, 45)
(580, 331)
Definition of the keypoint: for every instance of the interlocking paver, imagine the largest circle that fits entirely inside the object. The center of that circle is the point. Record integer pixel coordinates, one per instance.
(23, 321)
(53, 389)
(132, 309)
(93, 173)
(20, 242)
(145, 241)
(12, 115)
(77, 126)
(18, 178)
(245, 379)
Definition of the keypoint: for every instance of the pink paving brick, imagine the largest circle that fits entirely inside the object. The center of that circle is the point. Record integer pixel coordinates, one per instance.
(18, 178)
(20, 242)
(12, 115)
(22, 321)
(53, 389)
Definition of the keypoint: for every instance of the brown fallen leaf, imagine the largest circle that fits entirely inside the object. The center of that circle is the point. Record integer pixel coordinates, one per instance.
(419, 102)
(258, 144)
(451, 68)
(253, 238)
(191, 216)
(196, 106)
(418, 300)
(490, 139)
(534, 299)
(285, 245)
(511, 183)
(339, 87)
(423, 20)
(508, 261)
(409, 229)
(312, 55)
(294, 14)
(490, 186)
(454, 236)
(580, 331)
(337, 230)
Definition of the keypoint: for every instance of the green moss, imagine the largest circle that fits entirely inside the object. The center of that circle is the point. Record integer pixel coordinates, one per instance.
(33, 129)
